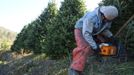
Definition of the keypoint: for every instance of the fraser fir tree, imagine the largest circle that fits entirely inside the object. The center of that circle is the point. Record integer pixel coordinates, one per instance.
(60, 39)
(50, 14)
(33, 35)
(127, 37)
(18, 43)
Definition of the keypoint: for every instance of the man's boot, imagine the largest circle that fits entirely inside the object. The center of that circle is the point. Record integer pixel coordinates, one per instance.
(72, 72)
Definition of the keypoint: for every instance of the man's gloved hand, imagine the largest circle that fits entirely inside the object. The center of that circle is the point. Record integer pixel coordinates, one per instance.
(114, 40)
(97, 50)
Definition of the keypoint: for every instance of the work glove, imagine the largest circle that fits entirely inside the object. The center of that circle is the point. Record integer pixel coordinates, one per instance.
(114, 40)
(97, 50)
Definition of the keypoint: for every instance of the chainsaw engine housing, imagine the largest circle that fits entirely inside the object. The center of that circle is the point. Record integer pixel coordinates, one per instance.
(108, 50)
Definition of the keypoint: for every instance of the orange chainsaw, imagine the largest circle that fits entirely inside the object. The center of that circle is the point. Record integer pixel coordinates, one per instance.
(110, 47)
(107, 49)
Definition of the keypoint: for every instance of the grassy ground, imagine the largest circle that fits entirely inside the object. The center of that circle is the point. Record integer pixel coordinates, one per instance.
(41, 65)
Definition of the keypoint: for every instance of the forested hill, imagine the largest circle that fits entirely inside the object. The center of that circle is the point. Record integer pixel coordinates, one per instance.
(7, 34)
(6, 38)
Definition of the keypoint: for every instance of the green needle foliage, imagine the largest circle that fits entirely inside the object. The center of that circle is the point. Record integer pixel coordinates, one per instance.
(33, 35)
(127, 36)
(60, 40)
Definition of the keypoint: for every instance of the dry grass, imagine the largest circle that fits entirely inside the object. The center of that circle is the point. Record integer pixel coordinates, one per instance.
(41, 65)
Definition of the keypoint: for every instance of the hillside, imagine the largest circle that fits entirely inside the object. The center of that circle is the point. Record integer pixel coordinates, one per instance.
(41, 65)
(6, 38)
(7, 34)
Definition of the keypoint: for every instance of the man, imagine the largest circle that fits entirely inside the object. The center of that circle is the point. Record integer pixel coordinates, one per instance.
(86, 29)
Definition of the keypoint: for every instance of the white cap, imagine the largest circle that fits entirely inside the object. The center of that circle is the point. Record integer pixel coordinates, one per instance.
(110, 12)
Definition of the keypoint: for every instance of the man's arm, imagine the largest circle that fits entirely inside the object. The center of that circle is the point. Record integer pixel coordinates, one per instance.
(87, 32)
(107, 33)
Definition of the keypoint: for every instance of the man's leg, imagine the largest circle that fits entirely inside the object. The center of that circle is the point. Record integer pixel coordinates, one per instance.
(80, 54)
(72, 72)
